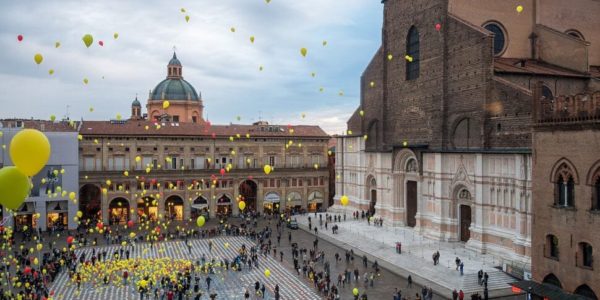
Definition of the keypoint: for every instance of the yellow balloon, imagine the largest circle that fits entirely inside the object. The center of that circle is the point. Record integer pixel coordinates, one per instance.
(187, 18)
(116, 36)
(30, 151)
(267, 273)
(51, 71)
(87, 40)
(57, 44)
(85, 81)
(344, 200)
(242, 205)
(251, 39)
(267, 169)
(38, 58)
(138, 159)
(520, 8)
(166, 104)
(303, 51)
(232, 29)
(361, 112)
(72, 196)
(355, 291)
(79, 214)
(14, 187)
(200, 221)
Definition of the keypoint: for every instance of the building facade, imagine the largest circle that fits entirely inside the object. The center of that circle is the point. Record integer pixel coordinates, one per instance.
(441, 140)
(175, 164)
(566, 189)
(48, 204)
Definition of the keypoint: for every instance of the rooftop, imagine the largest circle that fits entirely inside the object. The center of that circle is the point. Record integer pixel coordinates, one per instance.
(138, 128)
(41, 125)
(530, 66)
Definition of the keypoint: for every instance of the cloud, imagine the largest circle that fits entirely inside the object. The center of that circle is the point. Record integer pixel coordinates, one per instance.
(223, 66)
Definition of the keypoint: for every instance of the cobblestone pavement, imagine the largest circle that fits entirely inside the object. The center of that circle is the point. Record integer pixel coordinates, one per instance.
(227, 284)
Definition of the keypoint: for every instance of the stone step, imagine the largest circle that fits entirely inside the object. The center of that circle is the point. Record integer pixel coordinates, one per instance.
(496, 280)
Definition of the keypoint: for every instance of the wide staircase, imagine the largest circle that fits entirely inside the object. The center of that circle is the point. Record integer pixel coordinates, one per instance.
(497, 280)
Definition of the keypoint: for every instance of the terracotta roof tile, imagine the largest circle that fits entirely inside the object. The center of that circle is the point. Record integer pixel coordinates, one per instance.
(138, 128)
(513, 65)
(42, 125)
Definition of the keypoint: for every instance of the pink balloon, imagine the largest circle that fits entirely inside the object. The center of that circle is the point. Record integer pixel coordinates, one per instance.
(130, 223)
(214, 135)
(101, 43)
(222, 172)
(438, 26)
(19, 37)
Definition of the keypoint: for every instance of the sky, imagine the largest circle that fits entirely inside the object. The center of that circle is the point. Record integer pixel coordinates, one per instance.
(223, 66)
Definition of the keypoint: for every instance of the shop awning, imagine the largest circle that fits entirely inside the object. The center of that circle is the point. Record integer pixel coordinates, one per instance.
(544, 290)
(272, 198)
(200, 206)
(57, 206)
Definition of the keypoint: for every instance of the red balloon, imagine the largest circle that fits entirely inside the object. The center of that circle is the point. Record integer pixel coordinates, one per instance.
(101, 43)
(27, 270)
(100, 225)
(222, 172)
(19, 37)
(69, 240)
(130, 223)
(157, 229)
(438, 26)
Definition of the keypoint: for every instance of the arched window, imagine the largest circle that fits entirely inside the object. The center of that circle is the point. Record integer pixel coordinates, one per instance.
(547, 93)
(499, 37)
(412, 50)
(586, 291)
(553, 280)
(576, 34)
(585, 255)
(551, 246)
(564, 190)
(596, 191)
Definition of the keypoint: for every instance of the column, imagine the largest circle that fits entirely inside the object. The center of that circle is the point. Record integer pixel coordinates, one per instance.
(41, 208)
(259, 197)
(105, 213)
(133, 216)
(212, 203)
(187, 203)
(234, 203)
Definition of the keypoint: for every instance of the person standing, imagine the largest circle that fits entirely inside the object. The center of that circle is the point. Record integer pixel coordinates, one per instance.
(454, 295)
(462, 266)
(409, 279)
(461, 295)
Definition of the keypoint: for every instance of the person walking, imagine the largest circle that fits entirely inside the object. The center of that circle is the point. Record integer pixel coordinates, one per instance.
(462, 266)
(454, 295)
(409, 279)
(461, 295)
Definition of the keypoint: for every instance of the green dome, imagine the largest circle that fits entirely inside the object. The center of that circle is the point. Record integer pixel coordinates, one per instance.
(174, 61)
(136, 103)
(174, 89)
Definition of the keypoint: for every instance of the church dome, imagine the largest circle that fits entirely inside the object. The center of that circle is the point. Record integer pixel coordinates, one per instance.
(174, 89)
(136, 103)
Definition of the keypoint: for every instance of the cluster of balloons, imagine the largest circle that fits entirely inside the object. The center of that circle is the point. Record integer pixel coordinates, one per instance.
(29, 152)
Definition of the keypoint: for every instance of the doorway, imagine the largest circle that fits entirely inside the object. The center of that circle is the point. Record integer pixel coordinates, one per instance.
(411, 203)
(248, 191)
(465, 223)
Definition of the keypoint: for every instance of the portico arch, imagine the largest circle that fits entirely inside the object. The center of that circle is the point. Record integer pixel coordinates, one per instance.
(371, 193)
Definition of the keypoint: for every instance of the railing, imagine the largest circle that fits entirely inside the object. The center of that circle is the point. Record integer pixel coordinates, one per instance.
(572, 108)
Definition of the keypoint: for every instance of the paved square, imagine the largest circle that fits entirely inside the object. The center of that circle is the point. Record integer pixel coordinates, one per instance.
(227, 284)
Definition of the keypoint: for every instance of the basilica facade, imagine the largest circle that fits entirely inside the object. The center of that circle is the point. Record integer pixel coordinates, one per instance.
(441, 140)
(172, 163)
